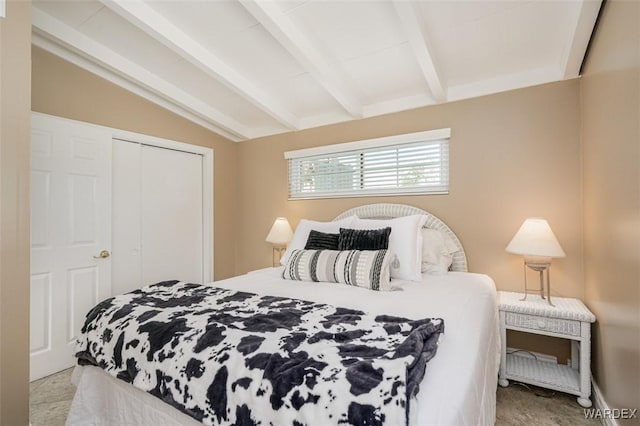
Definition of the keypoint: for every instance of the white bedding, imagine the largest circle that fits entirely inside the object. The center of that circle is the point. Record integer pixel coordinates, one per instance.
(459, 387)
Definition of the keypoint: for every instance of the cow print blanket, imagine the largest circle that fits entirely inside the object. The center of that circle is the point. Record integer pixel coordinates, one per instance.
(236, 358)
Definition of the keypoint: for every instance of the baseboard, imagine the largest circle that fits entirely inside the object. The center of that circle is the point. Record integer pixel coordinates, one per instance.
(600, 403)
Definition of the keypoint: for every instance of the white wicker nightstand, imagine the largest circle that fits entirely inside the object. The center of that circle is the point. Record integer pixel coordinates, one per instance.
(569, 319)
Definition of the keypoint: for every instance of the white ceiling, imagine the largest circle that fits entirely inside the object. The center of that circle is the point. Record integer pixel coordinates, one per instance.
(252, 68)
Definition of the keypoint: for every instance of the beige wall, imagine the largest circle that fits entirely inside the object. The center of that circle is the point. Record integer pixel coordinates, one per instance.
(610, 116)
(15, 71)
(62, 89)
(513, 155)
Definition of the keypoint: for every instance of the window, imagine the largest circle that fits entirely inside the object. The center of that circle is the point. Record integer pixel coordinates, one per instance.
(416, 163)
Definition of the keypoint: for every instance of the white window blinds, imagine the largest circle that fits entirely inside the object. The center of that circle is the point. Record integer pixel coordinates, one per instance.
(416, 163)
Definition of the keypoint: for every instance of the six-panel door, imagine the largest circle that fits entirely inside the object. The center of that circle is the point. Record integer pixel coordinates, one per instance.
(70, 226)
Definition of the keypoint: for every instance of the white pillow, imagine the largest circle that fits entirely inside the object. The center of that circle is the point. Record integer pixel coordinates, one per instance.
(437, 251)
(301, 235)
(405, 242)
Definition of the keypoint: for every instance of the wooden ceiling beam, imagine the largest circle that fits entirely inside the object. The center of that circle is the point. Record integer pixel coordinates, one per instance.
(580, 34)
(62, 34)
(419, 42)
(147, 19)
(306, 53)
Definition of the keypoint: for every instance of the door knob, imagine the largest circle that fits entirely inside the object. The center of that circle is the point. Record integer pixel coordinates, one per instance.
(103, 255)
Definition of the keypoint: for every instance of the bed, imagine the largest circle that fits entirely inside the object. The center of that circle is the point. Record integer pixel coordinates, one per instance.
(459, 385)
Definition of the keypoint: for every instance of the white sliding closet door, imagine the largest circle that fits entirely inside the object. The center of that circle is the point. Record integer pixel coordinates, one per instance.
(126, 259)
(171, 215)
(158, 216)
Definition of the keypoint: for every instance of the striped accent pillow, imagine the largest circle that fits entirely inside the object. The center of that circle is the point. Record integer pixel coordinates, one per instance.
(366, 268)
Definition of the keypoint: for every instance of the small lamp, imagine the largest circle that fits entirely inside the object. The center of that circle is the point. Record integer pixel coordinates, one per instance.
(279, 235)
(536, 241)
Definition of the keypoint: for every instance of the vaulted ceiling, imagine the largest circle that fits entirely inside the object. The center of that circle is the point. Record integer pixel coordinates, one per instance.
(251, 68)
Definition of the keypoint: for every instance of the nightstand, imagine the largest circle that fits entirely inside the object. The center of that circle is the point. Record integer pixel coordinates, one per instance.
(569, 319)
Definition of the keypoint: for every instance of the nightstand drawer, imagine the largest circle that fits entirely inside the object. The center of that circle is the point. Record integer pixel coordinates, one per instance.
(553, 325)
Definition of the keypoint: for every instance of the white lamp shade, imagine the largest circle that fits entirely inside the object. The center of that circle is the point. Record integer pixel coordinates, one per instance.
(535, 238)
(280, 233)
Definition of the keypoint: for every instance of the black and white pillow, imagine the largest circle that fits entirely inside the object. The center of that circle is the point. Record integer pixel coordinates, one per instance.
(322, 241)
(364, 239)
(362, 268)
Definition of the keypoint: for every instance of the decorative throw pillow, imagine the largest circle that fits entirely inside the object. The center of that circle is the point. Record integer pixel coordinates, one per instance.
(304, 228)
(405, 242)
(364, 239)
(367, 268)
(322, 241)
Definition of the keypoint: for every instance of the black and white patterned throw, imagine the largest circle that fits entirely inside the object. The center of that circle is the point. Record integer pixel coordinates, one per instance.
(226, 357)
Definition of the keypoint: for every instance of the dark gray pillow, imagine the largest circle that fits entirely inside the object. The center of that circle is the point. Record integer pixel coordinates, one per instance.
(364, 239)
(321, 241)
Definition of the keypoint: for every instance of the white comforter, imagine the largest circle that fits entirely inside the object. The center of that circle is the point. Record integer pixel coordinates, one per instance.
(459, 387)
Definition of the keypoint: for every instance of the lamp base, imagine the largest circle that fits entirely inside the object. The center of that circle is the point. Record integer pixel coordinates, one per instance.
(540, 265)
(280, 251)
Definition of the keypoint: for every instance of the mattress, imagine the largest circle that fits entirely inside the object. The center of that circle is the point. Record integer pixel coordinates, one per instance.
(459, 387)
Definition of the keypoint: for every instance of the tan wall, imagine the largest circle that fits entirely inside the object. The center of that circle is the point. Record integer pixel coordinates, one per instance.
(610, 116)
(62, 89)
(513, 155)
(15, 72)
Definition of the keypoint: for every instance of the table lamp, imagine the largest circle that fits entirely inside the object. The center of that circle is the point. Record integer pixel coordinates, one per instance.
(537, 243)
(279, 235)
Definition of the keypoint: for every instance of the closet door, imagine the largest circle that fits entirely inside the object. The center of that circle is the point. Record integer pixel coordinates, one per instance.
(171, 215)
(126, 257)
(158, 220)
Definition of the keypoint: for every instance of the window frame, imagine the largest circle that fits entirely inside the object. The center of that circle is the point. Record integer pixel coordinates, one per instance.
(442, 136)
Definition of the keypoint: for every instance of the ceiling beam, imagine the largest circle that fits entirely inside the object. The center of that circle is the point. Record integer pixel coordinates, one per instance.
(580, 33)
(306, 53)
(46, 43)
(162, 30)
(61, 33)
(419, 42)
(502, 83)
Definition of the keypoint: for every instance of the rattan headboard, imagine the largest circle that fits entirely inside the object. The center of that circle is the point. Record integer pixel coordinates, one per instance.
(389, 211)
